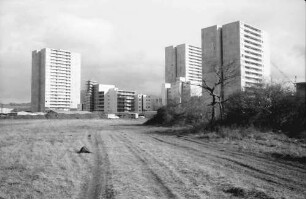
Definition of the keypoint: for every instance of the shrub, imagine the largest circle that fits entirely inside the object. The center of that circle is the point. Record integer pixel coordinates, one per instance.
(271, 107)
(186, 113)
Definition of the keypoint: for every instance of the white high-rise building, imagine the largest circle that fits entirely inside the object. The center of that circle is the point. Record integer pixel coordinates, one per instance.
(183, 61)
(56, 76)
(183, 66)
(242, 50)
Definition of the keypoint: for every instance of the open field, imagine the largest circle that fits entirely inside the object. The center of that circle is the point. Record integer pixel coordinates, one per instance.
(39, 159)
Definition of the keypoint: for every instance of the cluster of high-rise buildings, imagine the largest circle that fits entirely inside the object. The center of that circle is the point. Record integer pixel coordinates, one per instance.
(237, 53)
(236, 50)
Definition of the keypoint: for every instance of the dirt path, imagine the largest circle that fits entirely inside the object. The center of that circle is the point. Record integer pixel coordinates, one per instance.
(131, 161)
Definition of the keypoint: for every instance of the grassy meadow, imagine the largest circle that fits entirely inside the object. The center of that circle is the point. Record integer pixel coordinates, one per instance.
(39, 159)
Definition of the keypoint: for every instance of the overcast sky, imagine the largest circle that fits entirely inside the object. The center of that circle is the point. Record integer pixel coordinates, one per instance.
(122, 41)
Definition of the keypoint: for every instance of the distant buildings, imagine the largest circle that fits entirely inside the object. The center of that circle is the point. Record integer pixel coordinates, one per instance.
(183, 73)
(89, 96)
(240, 50)
(110, 99)
(143, 103)
(56, 76)
(236, 52)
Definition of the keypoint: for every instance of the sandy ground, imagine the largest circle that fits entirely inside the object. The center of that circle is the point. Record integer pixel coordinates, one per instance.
(39, 159)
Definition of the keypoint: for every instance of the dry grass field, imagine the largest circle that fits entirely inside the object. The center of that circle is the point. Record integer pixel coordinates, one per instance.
(39, 159)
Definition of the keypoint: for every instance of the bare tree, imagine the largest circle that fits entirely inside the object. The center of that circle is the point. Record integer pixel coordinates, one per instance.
(222, 76)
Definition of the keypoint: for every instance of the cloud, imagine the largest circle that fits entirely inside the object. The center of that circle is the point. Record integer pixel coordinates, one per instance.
(122, 42)
(28, 30)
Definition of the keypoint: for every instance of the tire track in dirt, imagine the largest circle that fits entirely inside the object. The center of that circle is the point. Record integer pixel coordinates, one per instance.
(164, 189)
(276, 178)
(100, 185)
(287, 165)
(176, 176)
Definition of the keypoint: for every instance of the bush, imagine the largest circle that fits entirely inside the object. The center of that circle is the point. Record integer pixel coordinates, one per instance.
(186, 113)
(162, 117)
(272, 107)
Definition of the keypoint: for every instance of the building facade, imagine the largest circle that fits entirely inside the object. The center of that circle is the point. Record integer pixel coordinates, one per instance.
(105, 98)
(240, 51)
(182, 63)
(145, 103)
(89, 95)
(56, 76)
(108, 98)
(125, 101)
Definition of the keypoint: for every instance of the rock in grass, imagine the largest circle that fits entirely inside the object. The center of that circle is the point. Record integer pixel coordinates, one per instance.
(84, 149)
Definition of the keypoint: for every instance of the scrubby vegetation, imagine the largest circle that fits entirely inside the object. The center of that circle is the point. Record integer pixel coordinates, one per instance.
(267, 108)
(187, 113)
(272, 107)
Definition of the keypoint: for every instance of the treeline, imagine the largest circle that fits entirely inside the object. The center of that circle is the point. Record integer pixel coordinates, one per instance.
(269, 107)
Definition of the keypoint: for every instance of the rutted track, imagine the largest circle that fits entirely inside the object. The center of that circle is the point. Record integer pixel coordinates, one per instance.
(100, 185)
(129, 162)
(164, 190)
(259, 168)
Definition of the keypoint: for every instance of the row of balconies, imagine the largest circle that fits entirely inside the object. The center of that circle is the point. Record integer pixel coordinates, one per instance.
(68, 79)
(60, 82)
(194, 62)
(251, 52)
(252, 28)
(53, 71)
(252, 38)
(194, 48)
(57, 76)
(60, 62)
(60, 54)
(252, 48)
(55, 93)
(59, 67)
(253, 70)
(253, 58)
(60, 90)
(195, 56)
(251, 42)
(59, 106)
(253, 75)
(60, 102)
(251, 62)
(56, 64)
(248, 31)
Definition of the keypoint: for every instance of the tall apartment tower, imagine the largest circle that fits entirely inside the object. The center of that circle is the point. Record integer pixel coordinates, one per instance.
(240, 50)
(183, 70)
(183, 61)
(56, 76)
